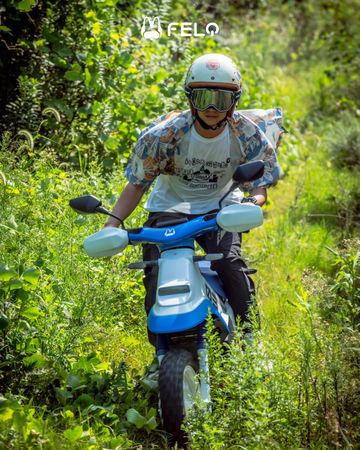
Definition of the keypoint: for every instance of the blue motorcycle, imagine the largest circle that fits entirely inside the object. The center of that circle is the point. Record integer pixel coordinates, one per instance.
(188, 292)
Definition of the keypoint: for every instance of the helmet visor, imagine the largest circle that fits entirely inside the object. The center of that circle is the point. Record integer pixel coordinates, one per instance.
(220, 99)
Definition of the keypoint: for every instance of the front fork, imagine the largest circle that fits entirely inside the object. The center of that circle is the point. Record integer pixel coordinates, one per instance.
(203, 356)
(162, 348)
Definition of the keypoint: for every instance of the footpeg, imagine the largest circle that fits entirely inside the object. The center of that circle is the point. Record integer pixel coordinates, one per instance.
(209, 257)
(249, 271)
(142, 264)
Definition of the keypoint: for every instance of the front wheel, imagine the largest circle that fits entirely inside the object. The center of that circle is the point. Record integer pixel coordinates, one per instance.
(179, 386)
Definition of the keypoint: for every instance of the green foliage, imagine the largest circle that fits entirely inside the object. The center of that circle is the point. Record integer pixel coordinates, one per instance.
(345, 143)
(291, 387)
(55, 319)
(104, 80)
(22, 425)
(343, 304)
(254, 400)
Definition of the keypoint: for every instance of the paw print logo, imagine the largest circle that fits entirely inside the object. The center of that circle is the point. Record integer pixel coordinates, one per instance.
(151, 28)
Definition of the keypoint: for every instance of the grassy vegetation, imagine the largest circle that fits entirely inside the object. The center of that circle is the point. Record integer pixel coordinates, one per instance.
(73, 347)
(298, 386)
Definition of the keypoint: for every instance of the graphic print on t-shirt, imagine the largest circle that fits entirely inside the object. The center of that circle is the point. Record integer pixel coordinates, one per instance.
(205, 162)
(201, 174)
(203, 169)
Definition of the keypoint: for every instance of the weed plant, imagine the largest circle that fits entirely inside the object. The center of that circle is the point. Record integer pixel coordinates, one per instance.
(55, 318)
(345, 143)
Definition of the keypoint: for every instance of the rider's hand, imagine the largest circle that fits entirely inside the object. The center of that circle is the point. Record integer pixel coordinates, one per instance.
(250, 200)
(111, 223)
(259, 194)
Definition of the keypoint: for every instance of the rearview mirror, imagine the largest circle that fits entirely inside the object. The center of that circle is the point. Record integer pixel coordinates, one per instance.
(86, 204)
(246, 172)
(249, 172)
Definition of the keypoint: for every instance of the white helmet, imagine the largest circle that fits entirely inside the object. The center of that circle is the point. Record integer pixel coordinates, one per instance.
(213, 68)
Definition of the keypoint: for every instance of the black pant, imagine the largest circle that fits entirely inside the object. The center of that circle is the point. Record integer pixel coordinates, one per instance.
(237, 285)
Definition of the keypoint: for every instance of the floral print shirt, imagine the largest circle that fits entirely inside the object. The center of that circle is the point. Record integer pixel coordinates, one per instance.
(258, 133)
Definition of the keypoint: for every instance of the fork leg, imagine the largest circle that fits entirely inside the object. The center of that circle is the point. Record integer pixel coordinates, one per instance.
(203, 364)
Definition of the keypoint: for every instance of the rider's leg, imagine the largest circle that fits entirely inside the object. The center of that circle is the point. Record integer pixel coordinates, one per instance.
(236, 283)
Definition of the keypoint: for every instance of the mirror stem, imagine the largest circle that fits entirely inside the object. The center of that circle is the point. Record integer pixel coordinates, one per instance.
(102, 210)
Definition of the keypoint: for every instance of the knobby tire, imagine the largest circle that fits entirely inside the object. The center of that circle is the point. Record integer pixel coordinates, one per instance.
(171, 378)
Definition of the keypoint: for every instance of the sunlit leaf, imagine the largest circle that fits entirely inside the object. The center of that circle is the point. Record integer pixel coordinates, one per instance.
(12, 190)
(6, 414)
(102, 366)
(36, 360)
(74, 434)
(25, 5)
(151, 424)
(32, 313)
(96, 28)
(14, 284)
(135, 418)
(31, 275)
(112, 143)
(75, 74)
(6, 274)
(68, 414)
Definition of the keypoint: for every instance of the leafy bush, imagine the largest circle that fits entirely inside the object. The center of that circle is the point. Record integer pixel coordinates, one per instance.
(299, 391)
(342, 306)
(255, 402)
(90, 64)
(344, 143)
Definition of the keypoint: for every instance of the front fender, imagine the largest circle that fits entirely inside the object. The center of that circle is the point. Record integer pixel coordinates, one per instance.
(181, 322)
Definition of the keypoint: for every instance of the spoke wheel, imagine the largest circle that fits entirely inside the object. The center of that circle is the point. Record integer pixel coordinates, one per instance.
(179, 386)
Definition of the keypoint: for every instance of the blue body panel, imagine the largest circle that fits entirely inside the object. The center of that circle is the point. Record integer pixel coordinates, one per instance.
(181, 322)
(212, 278)
(176, 235)
(182, 235)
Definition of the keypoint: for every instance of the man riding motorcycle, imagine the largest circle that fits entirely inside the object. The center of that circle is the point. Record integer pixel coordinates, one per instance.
(192, 154)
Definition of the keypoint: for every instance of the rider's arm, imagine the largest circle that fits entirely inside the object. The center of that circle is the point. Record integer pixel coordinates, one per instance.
(127, 202)
(260, 194)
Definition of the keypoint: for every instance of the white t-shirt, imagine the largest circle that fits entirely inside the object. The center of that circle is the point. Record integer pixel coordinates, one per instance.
(204, 169)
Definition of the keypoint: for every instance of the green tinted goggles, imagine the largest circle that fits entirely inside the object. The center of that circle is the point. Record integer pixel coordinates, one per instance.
(220, 99)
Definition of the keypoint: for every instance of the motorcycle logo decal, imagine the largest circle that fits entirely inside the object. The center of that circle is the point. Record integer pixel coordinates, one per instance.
(212, 296)
(169, 232)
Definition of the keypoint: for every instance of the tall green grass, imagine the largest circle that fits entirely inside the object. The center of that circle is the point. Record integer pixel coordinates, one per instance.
(297, 386)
